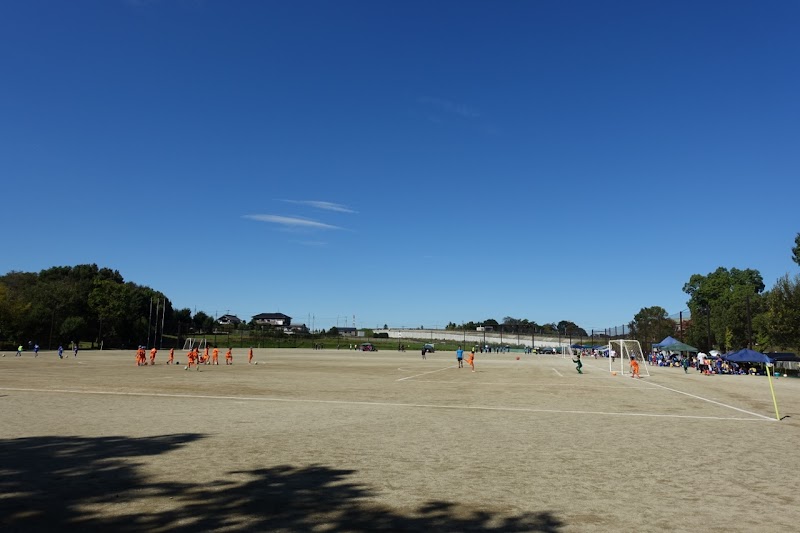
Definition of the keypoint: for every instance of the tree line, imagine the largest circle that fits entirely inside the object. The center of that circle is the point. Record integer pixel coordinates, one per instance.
(63, 304)
(728, 309)
(523, 326)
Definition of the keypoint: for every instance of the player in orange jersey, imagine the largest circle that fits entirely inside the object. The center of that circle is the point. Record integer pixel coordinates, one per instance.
(171, 356)
(250, 356)
(471, 360)
(229, 357)
(635, 368)
(206, 358)
(153, 352)
(215, 356)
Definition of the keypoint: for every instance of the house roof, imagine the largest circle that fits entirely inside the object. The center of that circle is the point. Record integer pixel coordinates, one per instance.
(229, 317)
(268, 316)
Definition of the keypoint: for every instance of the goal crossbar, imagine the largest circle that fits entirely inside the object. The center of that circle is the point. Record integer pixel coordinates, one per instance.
(620, 354)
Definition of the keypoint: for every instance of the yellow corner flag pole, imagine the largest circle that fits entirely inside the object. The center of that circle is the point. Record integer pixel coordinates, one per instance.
(774, 401)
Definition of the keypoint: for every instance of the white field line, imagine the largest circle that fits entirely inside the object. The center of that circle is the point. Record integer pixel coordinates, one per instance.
(426, 373)
(649, 382)
(709, 400)
(559, 385)
(383, 404)
(557, 372)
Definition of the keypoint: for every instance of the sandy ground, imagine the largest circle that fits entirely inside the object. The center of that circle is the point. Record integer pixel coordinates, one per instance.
(348, 441)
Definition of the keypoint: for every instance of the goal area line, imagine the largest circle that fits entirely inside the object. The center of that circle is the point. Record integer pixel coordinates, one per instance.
(390, 404)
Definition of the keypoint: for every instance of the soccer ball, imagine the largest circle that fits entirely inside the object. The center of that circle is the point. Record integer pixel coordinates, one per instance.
(253, 363)
(186, 368)
(613, 373)
(517, 358)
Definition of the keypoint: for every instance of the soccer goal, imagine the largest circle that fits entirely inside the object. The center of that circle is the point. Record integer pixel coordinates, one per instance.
(620, 353)
(567, 353)
(194, 342)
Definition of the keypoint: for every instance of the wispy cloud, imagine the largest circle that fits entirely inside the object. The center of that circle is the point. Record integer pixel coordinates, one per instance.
(451, 107)
(312, 243)
(292, 222)
(327, 206)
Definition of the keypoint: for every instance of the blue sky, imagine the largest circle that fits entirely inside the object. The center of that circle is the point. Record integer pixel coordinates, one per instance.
(410, 163)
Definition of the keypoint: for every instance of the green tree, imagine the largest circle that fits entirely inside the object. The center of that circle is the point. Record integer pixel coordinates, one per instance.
(723, 302)
(111, 302)
(783, 313)
(571, 329)
(202, 322)
(651, 324)
(73, 327)
(796, 250)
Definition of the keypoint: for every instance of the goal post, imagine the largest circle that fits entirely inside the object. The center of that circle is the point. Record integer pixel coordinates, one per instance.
(194, 342)
(620, 353)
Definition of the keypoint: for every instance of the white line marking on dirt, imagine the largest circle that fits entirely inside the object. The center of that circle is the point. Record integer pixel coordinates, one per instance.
(557, 372)
(425, 373)
(559, 385)
(386, 404)
(649, 382)
(709, 400)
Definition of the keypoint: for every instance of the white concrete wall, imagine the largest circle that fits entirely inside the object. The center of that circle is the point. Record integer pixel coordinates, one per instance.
(470, 338)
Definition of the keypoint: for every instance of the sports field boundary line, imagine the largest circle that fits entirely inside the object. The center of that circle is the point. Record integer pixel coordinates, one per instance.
(558, 385)
(384, 404)
(709, 400)
(695, 396)
(426, 373)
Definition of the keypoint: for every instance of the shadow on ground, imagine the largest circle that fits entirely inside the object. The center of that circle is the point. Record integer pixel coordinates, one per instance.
(92, 484)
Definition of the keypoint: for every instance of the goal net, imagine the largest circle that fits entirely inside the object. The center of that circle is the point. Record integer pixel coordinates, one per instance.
(620, 353)
(567, 353)
(192, 342)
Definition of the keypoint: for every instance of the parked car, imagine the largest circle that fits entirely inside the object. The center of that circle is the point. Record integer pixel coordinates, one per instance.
(368, 347)
(429, 348)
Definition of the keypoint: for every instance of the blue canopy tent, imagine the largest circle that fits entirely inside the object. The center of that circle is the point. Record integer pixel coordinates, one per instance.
(666, 342)
(747, 356)
(679, 347)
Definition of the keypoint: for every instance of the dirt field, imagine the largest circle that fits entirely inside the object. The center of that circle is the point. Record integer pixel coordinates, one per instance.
(349, 441)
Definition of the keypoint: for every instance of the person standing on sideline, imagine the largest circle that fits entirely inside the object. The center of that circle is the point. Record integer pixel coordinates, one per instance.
(424, 351)
(60, 352)
(471, 360)
(460, 357)
(578, 364)
(19, 351)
